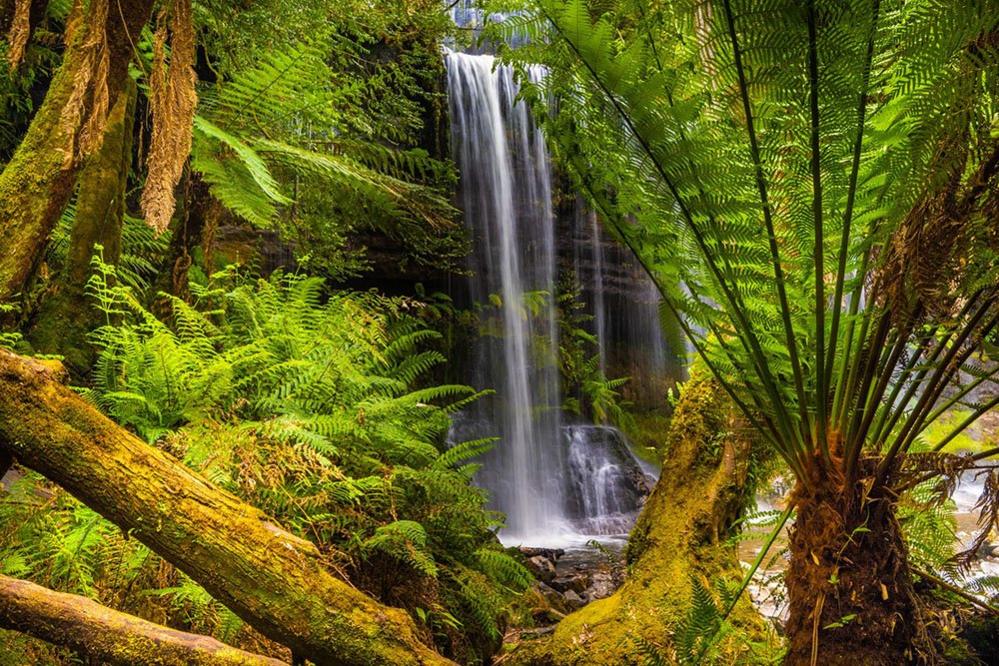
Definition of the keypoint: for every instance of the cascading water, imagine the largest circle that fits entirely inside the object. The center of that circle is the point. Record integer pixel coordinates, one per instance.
(554, 482)
(592, 225)
(506, 197)
(608, 482)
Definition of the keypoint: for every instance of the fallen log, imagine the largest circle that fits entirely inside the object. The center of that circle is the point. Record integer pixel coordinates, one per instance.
(272, 579)
(108, 635)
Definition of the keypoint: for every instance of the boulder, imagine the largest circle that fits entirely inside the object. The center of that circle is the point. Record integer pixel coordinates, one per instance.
(573, 600)
(542, 568)
(576, 581)
(602, 585)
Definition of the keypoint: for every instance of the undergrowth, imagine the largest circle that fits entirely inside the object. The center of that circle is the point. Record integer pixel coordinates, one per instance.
(315, 406)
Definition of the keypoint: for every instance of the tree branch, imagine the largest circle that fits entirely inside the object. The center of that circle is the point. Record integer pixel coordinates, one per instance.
(271, 578)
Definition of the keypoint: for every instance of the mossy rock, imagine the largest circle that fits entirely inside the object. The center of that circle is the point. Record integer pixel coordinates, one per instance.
(680, 535)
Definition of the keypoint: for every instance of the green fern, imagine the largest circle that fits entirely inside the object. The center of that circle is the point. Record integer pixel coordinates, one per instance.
(406, 541)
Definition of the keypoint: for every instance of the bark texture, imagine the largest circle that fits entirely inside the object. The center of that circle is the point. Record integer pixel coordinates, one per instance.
(107, 635)
(194, 224)
(850, 593)
(272, 579)
(63, 321)
(680, 534)
(38, 181)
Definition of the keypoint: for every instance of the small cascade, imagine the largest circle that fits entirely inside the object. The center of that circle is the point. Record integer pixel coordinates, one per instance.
(506, 197)
(605, 484)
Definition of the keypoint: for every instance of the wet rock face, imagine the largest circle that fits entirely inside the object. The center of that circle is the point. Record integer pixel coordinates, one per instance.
(605, 485)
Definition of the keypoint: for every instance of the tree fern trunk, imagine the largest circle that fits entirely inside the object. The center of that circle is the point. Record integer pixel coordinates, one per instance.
(38, 181)
(64, 318)
(849, 583)
(272, 579)
(108, 635)
(197, 216)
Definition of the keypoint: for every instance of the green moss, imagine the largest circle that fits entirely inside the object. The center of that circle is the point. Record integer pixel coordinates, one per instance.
(680, 535)
(647, 432)
(966, 441)
(17, 648)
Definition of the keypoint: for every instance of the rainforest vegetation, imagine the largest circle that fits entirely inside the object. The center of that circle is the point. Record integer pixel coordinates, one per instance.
(525, 332)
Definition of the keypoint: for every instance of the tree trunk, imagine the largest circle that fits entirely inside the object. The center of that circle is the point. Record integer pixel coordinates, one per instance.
(65, 316)
(849, 583)
(38, 181)
(194, 225)
(108, 635)
(679, 535)
(272, 579)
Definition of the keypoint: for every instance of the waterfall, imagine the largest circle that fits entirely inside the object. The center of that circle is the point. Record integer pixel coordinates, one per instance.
(607, 483)
(555, 482)
(599, 311)
(624, 305)
(506, 196)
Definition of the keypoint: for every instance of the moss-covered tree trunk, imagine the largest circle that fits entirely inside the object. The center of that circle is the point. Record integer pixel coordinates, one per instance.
(107, 635)
(272, 579)
(194, 224)
(65, 317)
(38, 181)
(680, 535)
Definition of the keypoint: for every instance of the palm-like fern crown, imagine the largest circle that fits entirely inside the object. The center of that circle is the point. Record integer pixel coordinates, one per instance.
(811, 185)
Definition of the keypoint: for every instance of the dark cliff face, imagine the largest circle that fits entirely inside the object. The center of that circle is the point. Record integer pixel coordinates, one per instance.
(623, 304)
(618, 294)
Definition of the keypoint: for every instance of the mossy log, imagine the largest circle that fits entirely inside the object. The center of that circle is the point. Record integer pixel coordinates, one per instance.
(107, 635)
(271, 578)
(37, 183)
(679, 535)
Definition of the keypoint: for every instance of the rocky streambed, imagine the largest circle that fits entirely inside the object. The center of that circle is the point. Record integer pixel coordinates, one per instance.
(569, 578)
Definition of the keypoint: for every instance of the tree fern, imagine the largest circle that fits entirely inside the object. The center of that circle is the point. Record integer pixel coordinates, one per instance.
(806, 184)
(309, 150)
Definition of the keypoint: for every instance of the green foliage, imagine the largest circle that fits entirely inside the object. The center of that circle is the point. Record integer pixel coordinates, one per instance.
(9, 339)
(50, 538)
(701, 628)
(705, 201)
(588, 391)
(930, 529)
(406, 541)
(141, 249)
(312, 405)
(40, 61)
(811, 186)
(314, 137)
(704, 635)
(504, 568)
